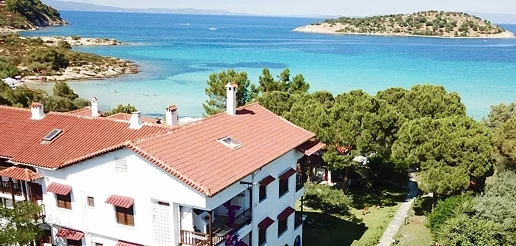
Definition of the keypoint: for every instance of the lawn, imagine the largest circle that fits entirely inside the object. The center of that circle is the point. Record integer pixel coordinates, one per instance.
(415, 232)
(356, 229)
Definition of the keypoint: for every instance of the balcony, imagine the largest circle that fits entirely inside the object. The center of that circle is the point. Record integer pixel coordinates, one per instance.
(5, 187)
(220, 230)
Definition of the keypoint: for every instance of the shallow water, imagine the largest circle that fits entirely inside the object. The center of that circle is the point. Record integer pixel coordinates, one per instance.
(178, 52)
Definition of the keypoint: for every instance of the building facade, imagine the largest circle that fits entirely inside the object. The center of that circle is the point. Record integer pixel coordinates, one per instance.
(232, 176)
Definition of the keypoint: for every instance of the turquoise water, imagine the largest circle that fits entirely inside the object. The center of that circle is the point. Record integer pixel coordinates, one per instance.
(178, 52)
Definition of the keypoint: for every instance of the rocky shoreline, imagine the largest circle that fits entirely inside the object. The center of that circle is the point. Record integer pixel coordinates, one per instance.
(79, 41)
(117, 68)
(327, 28)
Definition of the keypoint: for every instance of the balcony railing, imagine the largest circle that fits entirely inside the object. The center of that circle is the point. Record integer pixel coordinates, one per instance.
(299, 182)
(5, 187)
(219, 230)
(200, 239)
(243, 219)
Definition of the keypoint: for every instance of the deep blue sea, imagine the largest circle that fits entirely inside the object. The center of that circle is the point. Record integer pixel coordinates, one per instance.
(178, 52)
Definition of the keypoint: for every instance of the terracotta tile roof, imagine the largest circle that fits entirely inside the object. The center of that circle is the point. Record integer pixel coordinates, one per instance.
(59, 189)
(285, 213)
(127, 117)
(265, 223)
(69, 234)
(86, 111)
(20, 173)
(310, 147)
(193, 154)
(82, 137)
(124, 243)
(120, 201)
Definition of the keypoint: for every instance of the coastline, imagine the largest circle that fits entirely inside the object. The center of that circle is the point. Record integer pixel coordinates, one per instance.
(103, 68)
(325, 28)
(77, 41)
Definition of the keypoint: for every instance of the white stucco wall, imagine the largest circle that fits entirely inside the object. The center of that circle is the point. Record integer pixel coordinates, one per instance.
(98, 178)
(147, 183)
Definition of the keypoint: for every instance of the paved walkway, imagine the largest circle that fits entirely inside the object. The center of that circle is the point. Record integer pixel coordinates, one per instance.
(399, 217)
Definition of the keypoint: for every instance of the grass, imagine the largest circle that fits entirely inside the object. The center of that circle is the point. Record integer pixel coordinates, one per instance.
(415, 232)
(356, 229)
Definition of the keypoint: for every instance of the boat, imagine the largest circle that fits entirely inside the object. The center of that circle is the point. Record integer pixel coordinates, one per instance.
(212, 29)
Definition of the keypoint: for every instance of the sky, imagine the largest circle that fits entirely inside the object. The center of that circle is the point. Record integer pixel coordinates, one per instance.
(321, 7)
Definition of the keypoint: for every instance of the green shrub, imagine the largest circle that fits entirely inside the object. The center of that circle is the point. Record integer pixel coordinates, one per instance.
(447, 209)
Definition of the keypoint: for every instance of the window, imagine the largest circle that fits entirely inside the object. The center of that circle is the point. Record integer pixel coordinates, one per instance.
(283, 186)
(98, 244)
(282, 226)
(64, 201)
(91, 201)
(262, 236)
(230, 142)
(263, 193)
(74, 242)
(120, 164)
(53, 134)
(125, 216)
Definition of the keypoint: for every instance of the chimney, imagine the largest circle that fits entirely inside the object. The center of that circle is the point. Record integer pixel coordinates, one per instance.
(171, 115)
(231, 89)
(36, 109)
(136, 120)
(94, 107)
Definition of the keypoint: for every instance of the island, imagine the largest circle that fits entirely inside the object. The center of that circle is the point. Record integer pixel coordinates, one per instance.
(426, 24)
(50, 58)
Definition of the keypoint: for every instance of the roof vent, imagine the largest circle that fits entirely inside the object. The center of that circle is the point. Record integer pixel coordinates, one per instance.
(52, 135)
(230, 142)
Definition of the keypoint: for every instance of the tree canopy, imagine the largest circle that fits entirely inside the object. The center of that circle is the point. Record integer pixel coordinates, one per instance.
(216, 90)
(450, 151)
(18, 226)
(505, 143)
(497, 203)
(424, 101)
(326, 199)
(127, 109)
(470, 231)
(500, 114)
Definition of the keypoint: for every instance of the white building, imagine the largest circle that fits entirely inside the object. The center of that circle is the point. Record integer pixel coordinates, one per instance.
(110, 182)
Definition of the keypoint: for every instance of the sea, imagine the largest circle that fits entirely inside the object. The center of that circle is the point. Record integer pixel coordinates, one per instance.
(177, 53)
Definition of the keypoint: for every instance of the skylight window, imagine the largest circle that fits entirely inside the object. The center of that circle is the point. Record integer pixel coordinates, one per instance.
(230, 142)
(53, 134)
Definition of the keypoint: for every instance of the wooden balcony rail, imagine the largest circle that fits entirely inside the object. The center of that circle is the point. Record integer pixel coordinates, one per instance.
(199, 239)
(5, 187)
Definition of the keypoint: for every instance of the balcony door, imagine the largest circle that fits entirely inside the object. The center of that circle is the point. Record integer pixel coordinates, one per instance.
(162, 223)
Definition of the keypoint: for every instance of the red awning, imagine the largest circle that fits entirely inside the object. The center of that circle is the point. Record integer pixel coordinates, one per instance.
(287, 174)
(310, 147)
(287, 212)
(265, 223)
(69, 234)
(59, 189)
(124, 243)
(267, 180)
(120, 201)
(20, 173)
